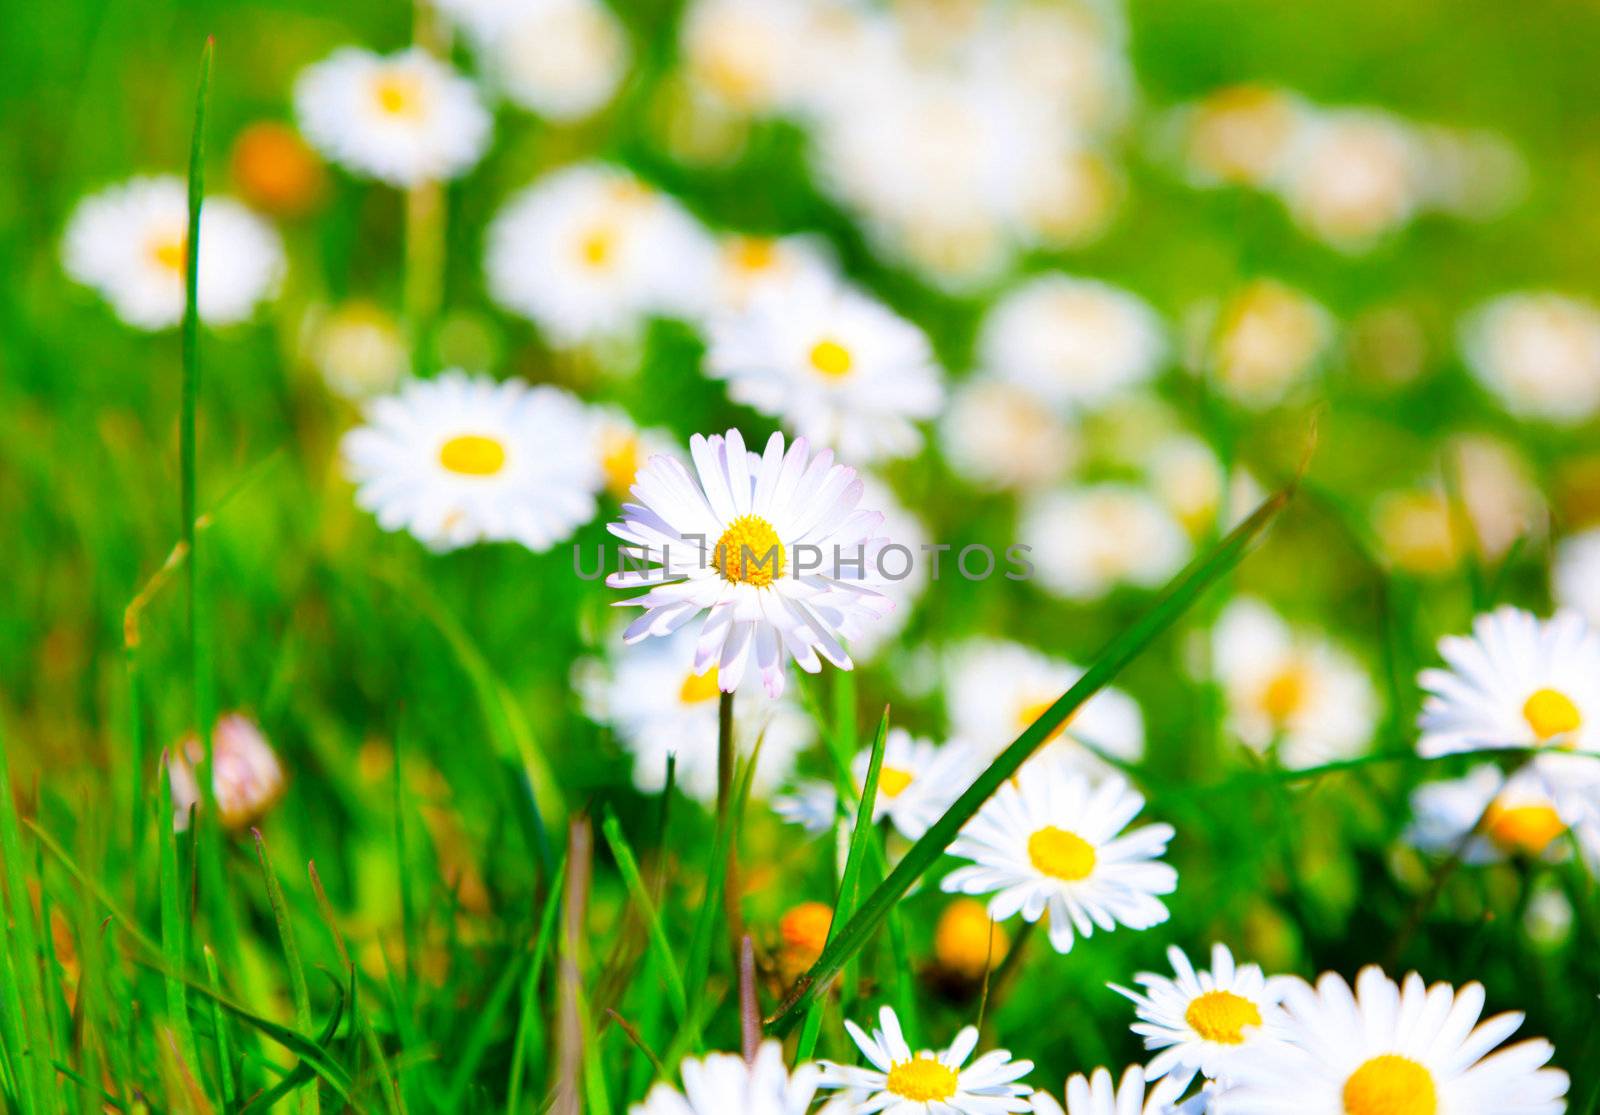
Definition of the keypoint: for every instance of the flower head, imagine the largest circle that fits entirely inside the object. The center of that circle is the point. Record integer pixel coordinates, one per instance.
(928, 1082)
(1096, 1094)
(723, 1083)
(1538, 352)
(246, 777)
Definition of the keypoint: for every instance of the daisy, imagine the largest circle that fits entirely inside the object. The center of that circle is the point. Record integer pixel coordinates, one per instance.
(590, 252)
(1538, 353)
(658, 705)
(1391, 1049)
(563, 59)
(1241, 134)
(129, 242)
(998, 435)
(461, 459)
(1268, 339)
(918, 781)
(359, 349)
(1201, 1020)
(996, 690)
(1290, 691)
(773, 547)
(1353, 176)
(748, 265)
(744, 54)
(1086, 541)
(927, 1082)
(246, 778)
(1097, 1095)
(1516, 681)
(834, 365)
(900, 569)
(1519, 816)
(624, 448)
(1048, 841)
(403, 118)
(721, 1083)
(1577, 574)
(1073, 342)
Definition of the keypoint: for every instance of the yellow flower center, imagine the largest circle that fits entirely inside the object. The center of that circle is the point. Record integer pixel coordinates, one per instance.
(699, 687)
(1523, 828)
(892, 781)
(1551, 713)
(398, 94)
(619, 462)
(473, 455)
(922, 1080)
(831, 359)
(1030, 711)
(1390, 1085)
(1285, 694)
(171, 252)
(749, 552)
(754, 253)
(598, 247)
(1221, 1016)
(1061, 854)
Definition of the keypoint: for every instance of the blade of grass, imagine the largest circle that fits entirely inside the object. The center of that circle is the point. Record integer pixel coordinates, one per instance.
(1174, 601)
(309, 1101)
(629, 866)
(219, 1027)
(25, 990)
(174, 927)
(391, 1093)
(528, 1019)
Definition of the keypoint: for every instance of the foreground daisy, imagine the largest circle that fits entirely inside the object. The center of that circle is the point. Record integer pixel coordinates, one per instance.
(918, 781)
(403, 118)
(1201, 1020)
(722, 1083)
(130, 243)
(1391, 1049)
(1097, 1095)
(462, 459)
(1087, 541)
(773, 548)
(927, 1082)
(1048, 842)
(1516, 681)
(246, 778)
(1538, 353)
(833, 364)
(1290, 692)
(1516, 816)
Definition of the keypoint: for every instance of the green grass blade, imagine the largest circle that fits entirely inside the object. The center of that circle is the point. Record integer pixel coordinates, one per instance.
(174, 926)
(629, 866)
(1174, 601)
(291, 954)
(528, 1019)
(25, 990)
(219, 1026)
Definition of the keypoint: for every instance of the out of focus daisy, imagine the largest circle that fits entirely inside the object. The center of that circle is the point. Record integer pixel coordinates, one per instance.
(919, 780)
(1353, 176)
(1538, 353)
(1049, 842)
(834, 365)
(1070, 199)
(403, 118)
(1290, 691)
(1097, 1095)
(246, 777)
(899, 569)
(590, 252)
(1577, 574)
(748, 265)
(624, 447)
(1503, 817)
(130, 243)
(927, 1082)
(563, 59)
(1073, 342)
(967, 943)
(1417, 531)
(1240, 134)
(1516, 681)
(997, 689)
(1086, 541)
(999, 435)
(658, 705)
(461, 459)
(1499, 491)
(275, 171)
(1392, 1049)
(767, 546)
(1186, 475)
(1201, 1020)
(744, 54)
(359, 349)
(721, 1083)
(1267, 339)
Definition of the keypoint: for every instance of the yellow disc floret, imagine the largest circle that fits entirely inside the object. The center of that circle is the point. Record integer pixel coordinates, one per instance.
(619, 461)
(398, 94)
(1551, 713)
(473, 455)
(922, 1080)
(1285, 694)
(1390, 1085)
(892, 781)
(699, 687)
(1221, 1016)
(831, 359)
(749, 552)
(1528, 829)
(1061, 854)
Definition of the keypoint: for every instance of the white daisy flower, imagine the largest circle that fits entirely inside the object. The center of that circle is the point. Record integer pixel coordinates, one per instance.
(563, 59)
(589, 252)
(1202, 1020)
(900, 571)
(1097, 1095)
(1516, 681)
(1086, 541)
(1073, 342)
(658, 706)
(998, 435)
(834, 365)
(773, 547)
(1241, 135)
(624, 447)
(358, 348)
(129, 242)
(403, 118)
(745, 54)
(919, 780)
(1048, 842)
(997, 689)
(1577, 574)
(1266, 340)
(927, 1082)
(722, 1083)
(748, 265)
(1520, 816)
(461, 459)
(1353, 176)
(1538, 353)
(1394, 1049)
(1290, 690)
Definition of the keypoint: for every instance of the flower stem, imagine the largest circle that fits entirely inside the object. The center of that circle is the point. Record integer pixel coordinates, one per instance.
(731, 889)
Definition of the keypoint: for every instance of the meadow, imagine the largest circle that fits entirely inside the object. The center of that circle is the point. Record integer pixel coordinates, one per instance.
(334, 780)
